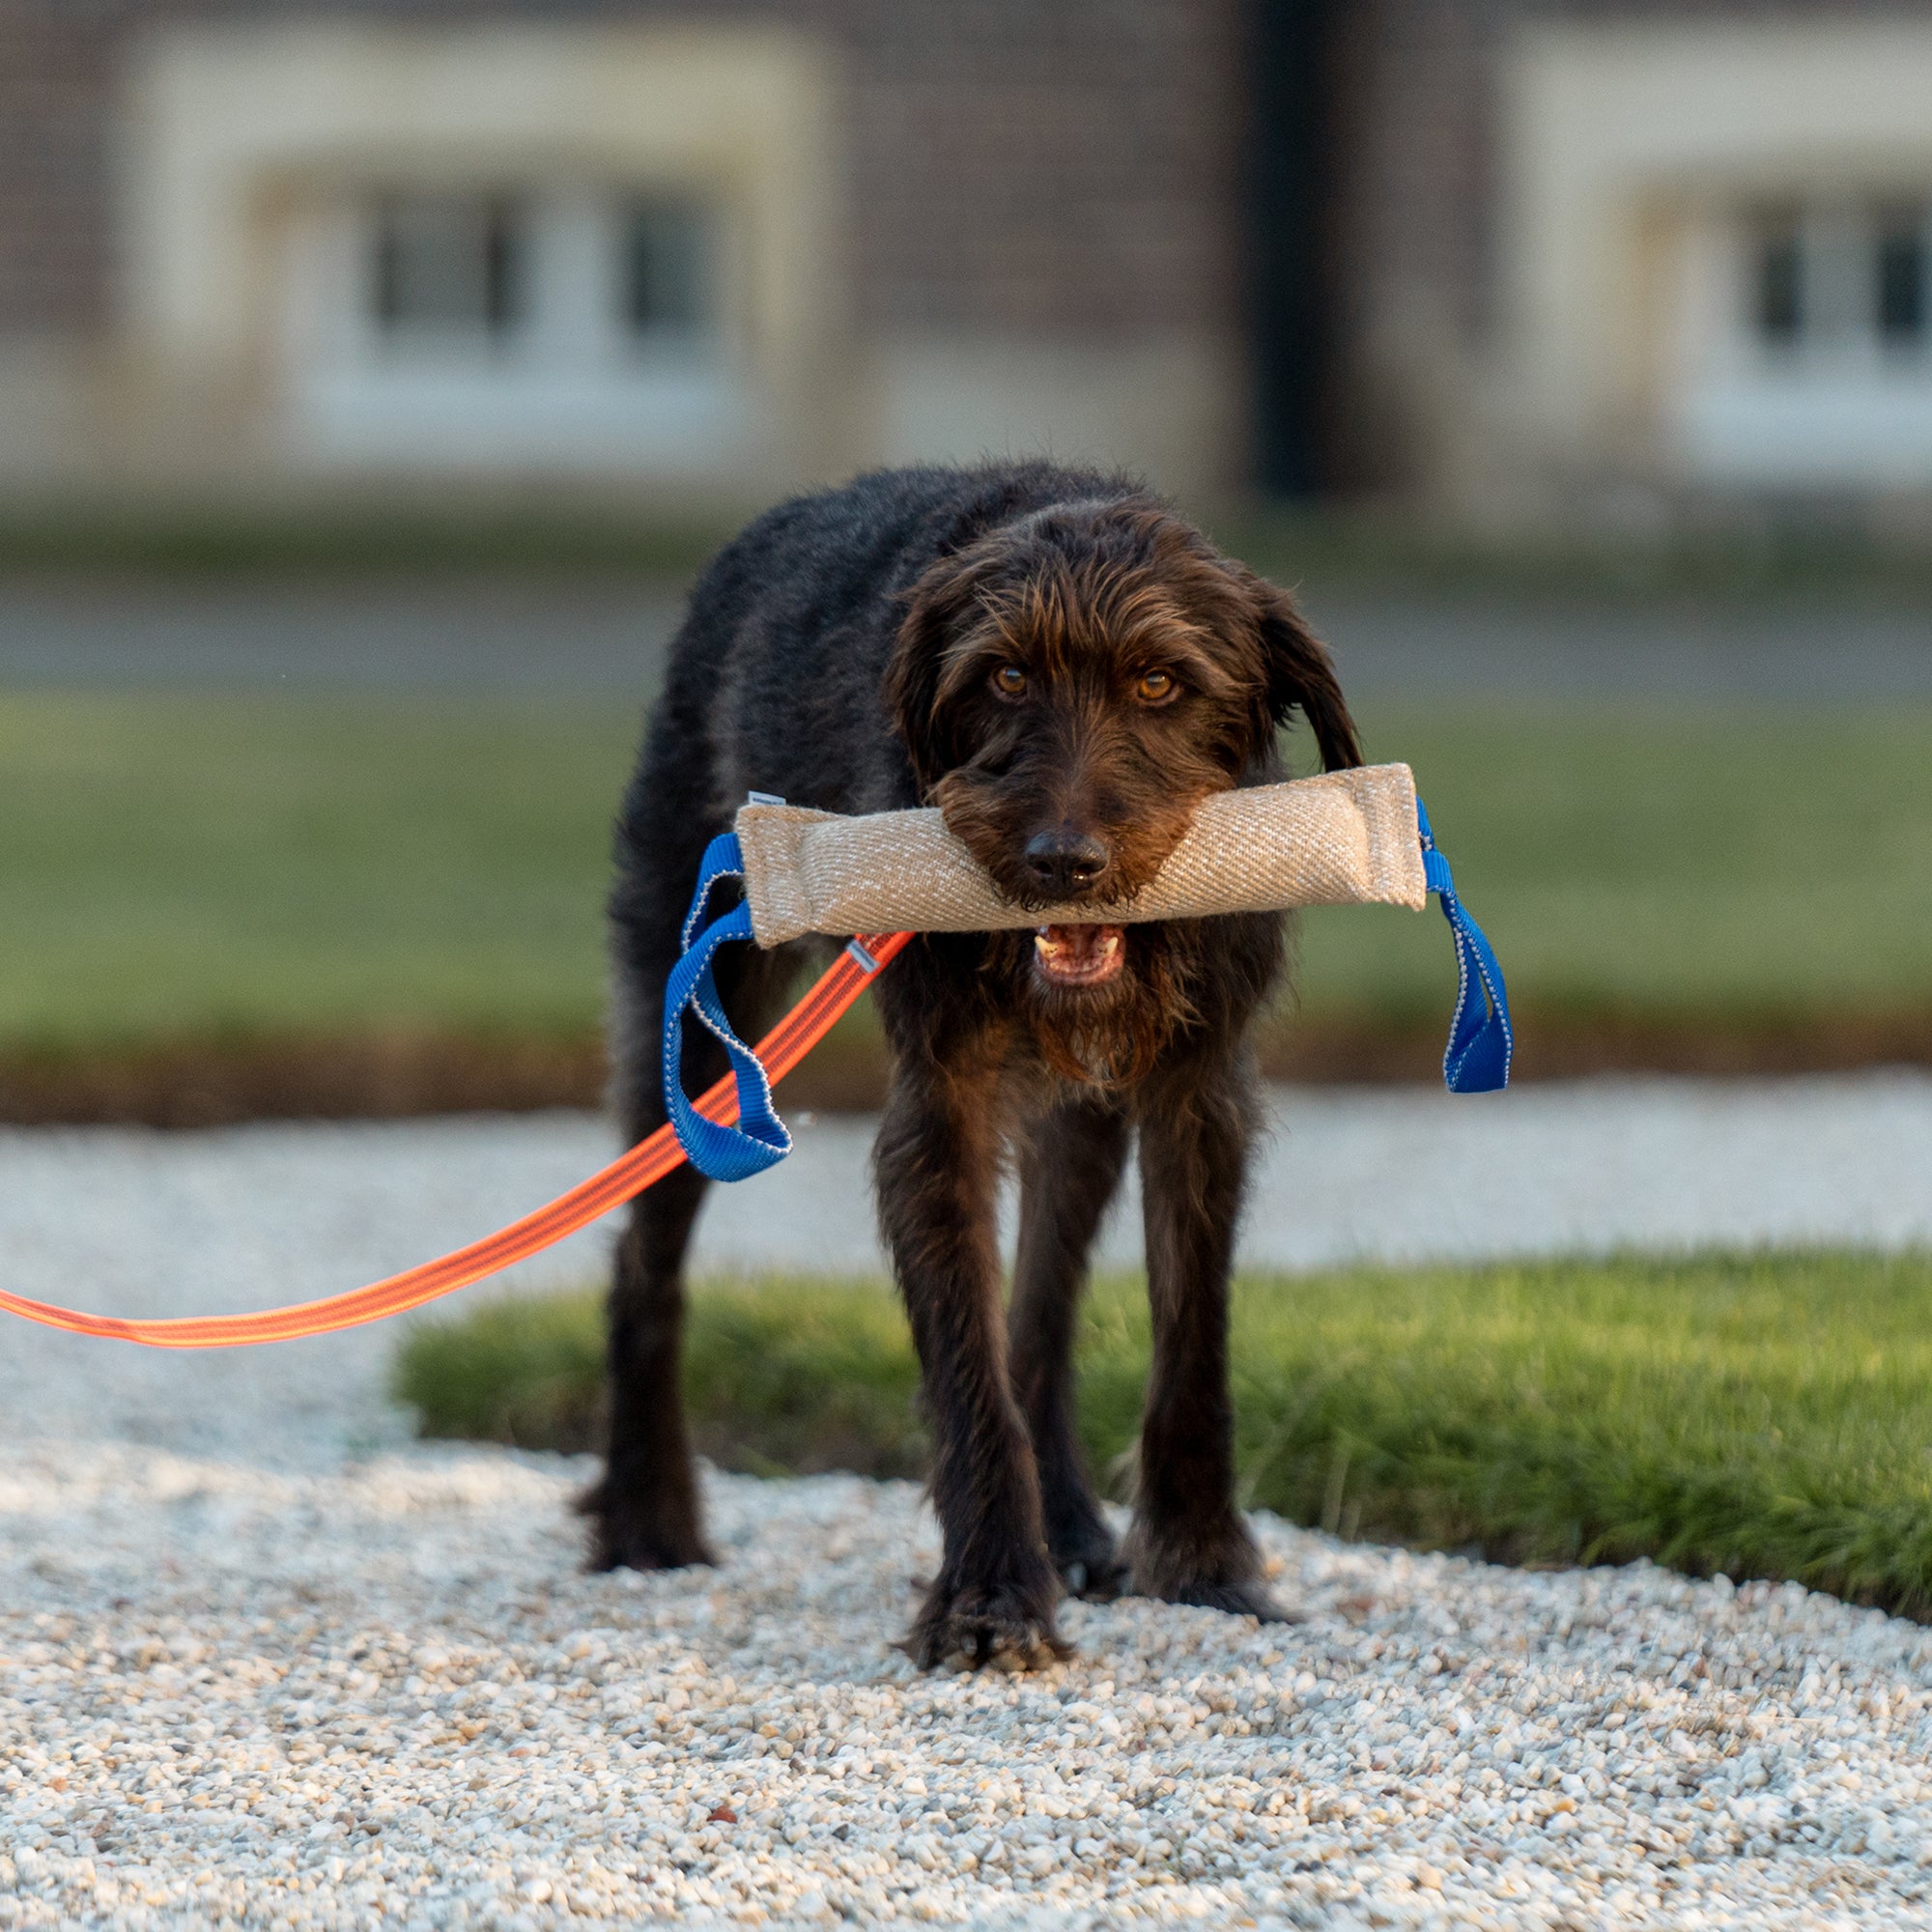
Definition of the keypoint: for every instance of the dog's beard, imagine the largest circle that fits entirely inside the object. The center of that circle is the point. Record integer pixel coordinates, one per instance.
(1103, 1035)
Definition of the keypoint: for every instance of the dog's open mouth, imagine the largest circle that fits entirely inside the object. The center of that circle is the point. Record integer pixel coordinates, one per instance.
(1079, 955)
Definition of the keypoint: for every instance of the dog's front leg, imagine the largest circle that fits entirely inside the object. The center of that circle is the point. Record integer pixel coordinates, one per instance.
(1068, 1172)
(937, 1164)
(1188, 1542)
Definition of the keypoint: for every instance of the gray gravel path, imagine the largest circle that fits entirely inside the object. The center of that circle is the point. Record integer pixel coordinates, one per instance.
(388, 1695)
(263, 1664)
(138, 1223)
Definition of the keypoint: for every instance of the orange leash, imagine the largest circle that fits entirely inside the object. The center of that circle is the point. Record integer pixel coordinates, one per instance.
(650, 1160)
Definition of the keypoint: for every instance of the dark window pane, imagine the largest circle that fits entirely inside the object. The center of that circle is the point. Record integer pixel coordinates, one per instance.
(447, 265)
(668, 271)
(1777, 295)
(502, 279)
(1901, 281)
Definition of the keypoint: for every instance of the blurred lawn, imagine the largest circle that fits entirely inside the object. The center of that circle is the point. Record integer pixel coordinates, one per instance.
(189, 865)
(1658, 857)
(1760, 1415)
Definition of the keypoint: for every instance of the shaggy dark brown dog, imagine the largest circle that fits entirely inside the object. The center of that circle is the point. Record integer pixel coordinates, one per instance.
(1066, 668)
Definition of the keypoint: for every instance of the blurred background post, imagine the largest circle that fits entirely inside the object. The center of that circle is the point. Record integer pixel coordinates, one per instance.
(372, 381)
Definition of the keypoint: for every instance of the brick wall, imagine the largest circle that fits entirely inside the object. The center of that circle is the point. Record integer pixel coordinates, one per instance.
(1067, 168)
(53, 163)
(1014, 165)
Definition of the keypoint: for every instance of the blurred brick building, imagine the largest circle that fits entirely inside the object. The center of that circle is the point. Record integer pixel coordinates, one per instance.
(1486, 254)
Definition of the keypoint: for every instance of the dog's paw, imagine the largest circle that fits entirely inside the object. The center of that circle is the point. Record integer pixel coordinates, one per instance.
(627, 1535)
(1238, 1599)
(616, 1545)
(974, 1626)
(1218, 1570)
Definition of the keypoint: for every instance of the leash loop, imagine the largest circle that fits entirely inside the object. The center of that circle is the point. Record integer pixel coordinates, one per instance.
(1480, 1042)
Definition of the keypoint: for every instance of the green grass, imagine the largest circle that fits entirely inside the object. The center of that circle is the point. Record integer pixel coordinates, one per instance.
(179, 867)
(1659, 858)
(1760, 1415)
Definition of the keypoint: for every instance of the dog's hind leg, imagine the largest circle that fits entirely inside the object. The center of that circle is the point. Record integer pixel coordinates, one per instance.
(644, 1510)
(1069, 1168)
(1188, 1542)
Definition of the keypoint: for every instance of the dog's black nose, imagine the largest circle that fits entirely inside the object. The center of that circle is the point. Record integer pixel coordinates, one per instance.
(1065, 863)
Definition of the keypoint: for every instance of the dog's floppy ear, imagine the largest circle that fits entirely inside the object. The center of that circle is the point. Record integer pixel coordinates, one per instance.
(1302, 676)
(934, 608)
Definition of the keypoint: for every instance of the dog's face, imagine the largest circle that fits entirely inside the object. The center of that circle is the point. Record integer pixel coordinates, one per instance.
(1070, 687)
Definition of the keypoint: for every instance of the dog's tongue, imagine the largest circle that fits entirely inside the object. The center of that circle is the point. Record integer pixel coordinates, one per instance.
(1079, 955)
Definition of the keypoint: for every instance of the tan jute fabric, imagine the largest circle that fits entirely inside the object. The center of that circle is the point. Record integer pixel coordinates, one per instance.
(1343, 838)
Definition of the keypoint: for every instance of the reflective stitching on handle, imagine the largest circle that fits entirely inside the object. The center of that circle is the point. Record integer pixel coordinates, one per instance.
(1481, 1045)
(722, 860)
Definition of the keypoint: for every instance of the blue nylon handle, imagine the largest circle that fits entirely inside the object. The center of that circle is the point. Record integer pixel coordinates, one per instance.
(1477, 1060)
(760, 1138)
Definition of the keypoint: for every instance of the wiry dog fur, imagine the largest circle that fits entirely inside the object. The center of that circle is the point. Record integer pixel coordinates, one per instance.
(1065, 667)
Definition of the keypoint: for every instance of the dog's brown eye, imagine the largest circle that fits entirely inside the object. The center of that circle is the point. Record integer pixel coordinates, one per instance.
(1155, 687)
(1009, 680)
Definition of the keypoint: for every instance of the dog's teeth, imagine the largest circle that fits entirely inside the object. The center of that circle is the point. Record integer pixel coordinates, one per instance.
(1046, 943)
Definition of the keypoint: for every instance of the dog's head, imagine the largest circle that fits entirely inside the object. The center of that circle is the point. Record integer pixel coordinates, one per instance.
(1069, 688)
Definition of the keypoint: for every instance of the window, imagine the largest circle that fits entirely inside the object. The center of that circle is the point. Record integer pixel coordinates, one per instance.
(447, 266)
(457, 270)
(1779, 299)
(668, 252)
(1847, 280)
(1806, 342)
(1900, 274)
(550, 321)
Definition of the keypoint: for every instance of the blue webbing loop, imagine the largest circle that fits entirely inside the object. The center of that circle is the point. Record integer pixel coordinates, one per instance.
(1477, 1060)
(760, 1138)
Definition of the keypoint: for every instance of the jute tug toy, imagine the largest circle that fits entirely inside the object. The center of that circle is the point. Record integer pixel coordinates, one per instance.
(1350, 837)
